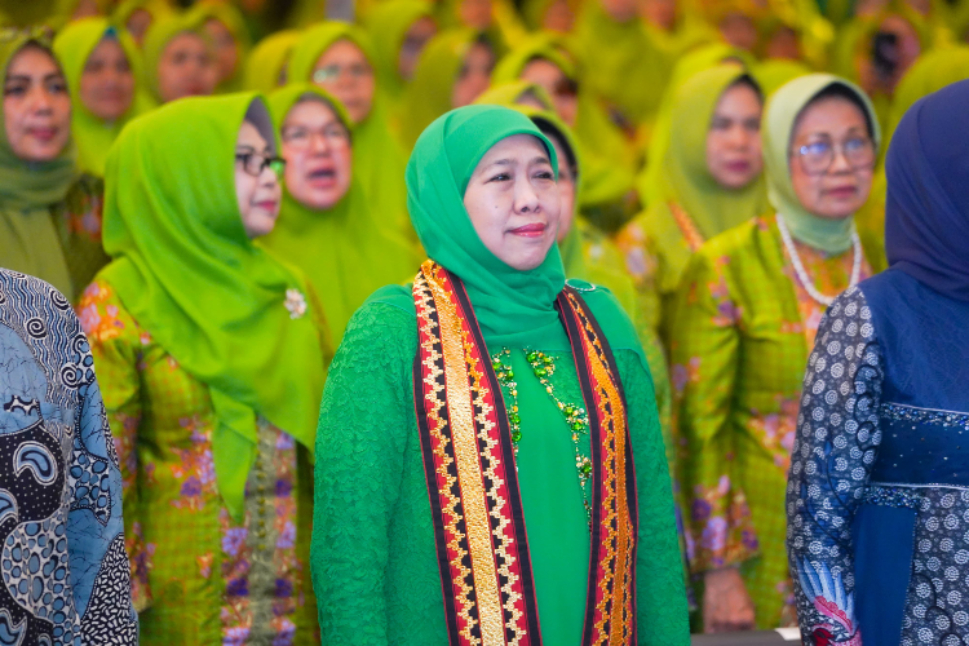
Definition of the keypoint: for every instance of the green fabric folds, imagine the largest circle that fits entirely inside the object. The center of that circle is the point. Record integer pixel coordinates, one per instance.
(93, 136)
(686, 177)
(388, 24)
(379, 161)
(930, 73)
(266, 66)
(780, 116)
(429, 94)
(342, 251)
(29, 242)
(515, 308)
(187, 272)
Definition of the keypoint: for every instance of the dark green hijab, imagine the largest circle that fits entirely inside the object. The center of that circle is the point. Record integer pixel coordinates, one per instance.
(186, 270)
(29, 241)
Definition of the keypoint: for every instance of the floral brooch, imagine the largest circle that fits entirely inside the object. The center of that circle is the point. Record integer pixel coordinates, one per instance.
(295, 303)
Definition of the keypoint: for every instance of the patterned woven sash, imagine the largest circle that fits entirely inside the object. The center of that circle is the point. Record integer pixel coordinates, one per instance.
(486, 574)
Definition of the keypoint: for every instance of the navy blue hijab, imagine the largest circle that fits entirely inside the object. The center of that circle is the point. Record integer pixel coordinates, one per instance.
(927, 210)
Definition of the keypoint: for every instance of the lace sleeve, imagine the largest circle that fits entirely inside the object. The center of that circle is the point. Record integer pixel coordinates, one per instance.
(833, 454)
(661, 597)
(366, 415)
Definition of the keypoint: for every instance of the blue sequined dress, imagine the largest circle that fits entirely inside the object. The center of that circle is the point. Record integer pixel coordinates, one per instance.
(878, 492)
(62, 546)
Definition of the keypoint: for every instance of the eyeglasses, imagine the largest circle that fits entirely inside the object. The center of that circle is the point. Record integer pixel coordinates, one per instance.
(817, 157)
(301, 138)
(254, 164)
(355, 71)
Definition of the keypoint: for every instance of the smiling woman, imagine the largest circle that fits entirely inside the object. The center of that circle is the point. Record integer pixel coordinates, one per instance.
(212, 353)
(50, 224)
(510, 372)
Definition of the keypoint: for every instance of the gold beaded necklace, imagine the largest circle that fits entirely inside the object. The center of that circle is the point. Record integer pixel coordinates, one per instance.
(543, 367)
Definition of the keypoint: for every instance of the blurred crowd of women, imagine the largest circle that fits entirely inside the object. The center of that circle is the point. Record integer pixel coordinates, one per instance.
(722, 165)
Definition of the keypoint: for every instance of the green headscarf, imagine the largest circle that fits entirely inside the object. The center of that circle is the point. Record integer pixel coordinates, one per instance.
(388, 24)
(378, 160)
(163, 29)
(265, 65)
(93, 136)
(650, 182)
(188, 273)
(514, 308)
(231, 18)
(342, 251)
(29, 241)
(829, 235)
(429, 94)
(686, 176)
(774, 73)
(156, 8)
(510, 94)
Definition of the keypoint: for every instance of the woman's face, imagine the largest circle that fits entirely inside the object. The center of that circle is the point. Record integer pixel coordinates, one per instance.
(415, 39)
(259, 193)
(226, 48)
(832, 158)
(559, 17)
(621, 10)
(107, 82)
(36, 106)
(734, 155)
(559, 86)
(739, 31)
(659, 13)
(474, 76)
(319, 159)
(138, 23)
(567, 190)
(514, 202)
(186, 68)
(344, 71)
(783, 44)
(475, 14)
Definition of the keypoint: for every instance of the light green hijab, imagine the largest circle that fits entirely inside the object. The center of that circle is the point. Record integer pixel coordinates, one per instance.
(267, 64)
(161, 32)
(93, 136)
(512, 93)
(378, 160)
(231, 18)
(186, 270)
(429, 94)
(780, 117)
(388, 24)
(686, 176)
(29, 241)
(342, 251)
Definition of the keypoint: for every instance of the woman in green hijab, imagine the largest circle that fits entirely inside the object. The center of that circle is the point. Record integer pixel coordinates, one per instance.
(741, 325)
(179, 60)
(225, 28)
(453, 70)
(711, 180)
(325, 225)
(102, 69)
(490, 354)
(136, 16)
(338, 57)
(399, 30)
(211, 359)
(267, 68)
(50, 218)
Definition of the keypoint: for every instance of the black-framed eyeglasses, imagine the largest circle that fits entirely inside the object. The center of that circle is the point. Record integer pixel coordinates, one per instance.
(254, 163)
(818, 156)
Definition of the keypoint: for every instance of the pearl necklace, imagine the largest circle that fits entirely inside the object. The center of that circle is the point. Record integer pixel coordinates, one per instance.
(802, 275)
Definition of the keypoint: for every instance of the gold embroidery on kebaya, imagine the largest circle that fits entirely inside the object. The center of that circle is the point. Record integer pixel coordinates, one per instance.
(469, 467)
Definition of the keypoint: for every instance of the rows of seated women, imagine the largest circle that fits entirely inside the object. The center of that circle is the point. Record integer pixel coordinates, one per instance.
(639, 221)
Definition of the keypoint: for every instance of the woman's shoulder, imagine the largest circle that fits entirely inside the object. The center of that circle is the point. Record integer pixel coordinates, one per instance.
(389, 311)
(103, 315)
(739, 240)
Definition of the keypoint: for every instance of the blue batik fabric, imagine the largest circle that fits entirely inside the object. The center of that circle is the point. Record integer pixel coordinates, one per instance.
(62, 552)
(878, 491)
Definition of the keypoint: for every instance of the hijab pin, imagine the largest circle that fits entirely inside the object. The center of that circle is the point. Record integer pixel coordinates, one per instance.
(295, 303)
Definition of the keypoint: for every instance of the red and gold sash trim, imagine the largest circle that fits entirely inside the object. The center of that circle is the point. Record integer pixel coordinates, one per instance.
(692, 235)
(486, 574)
